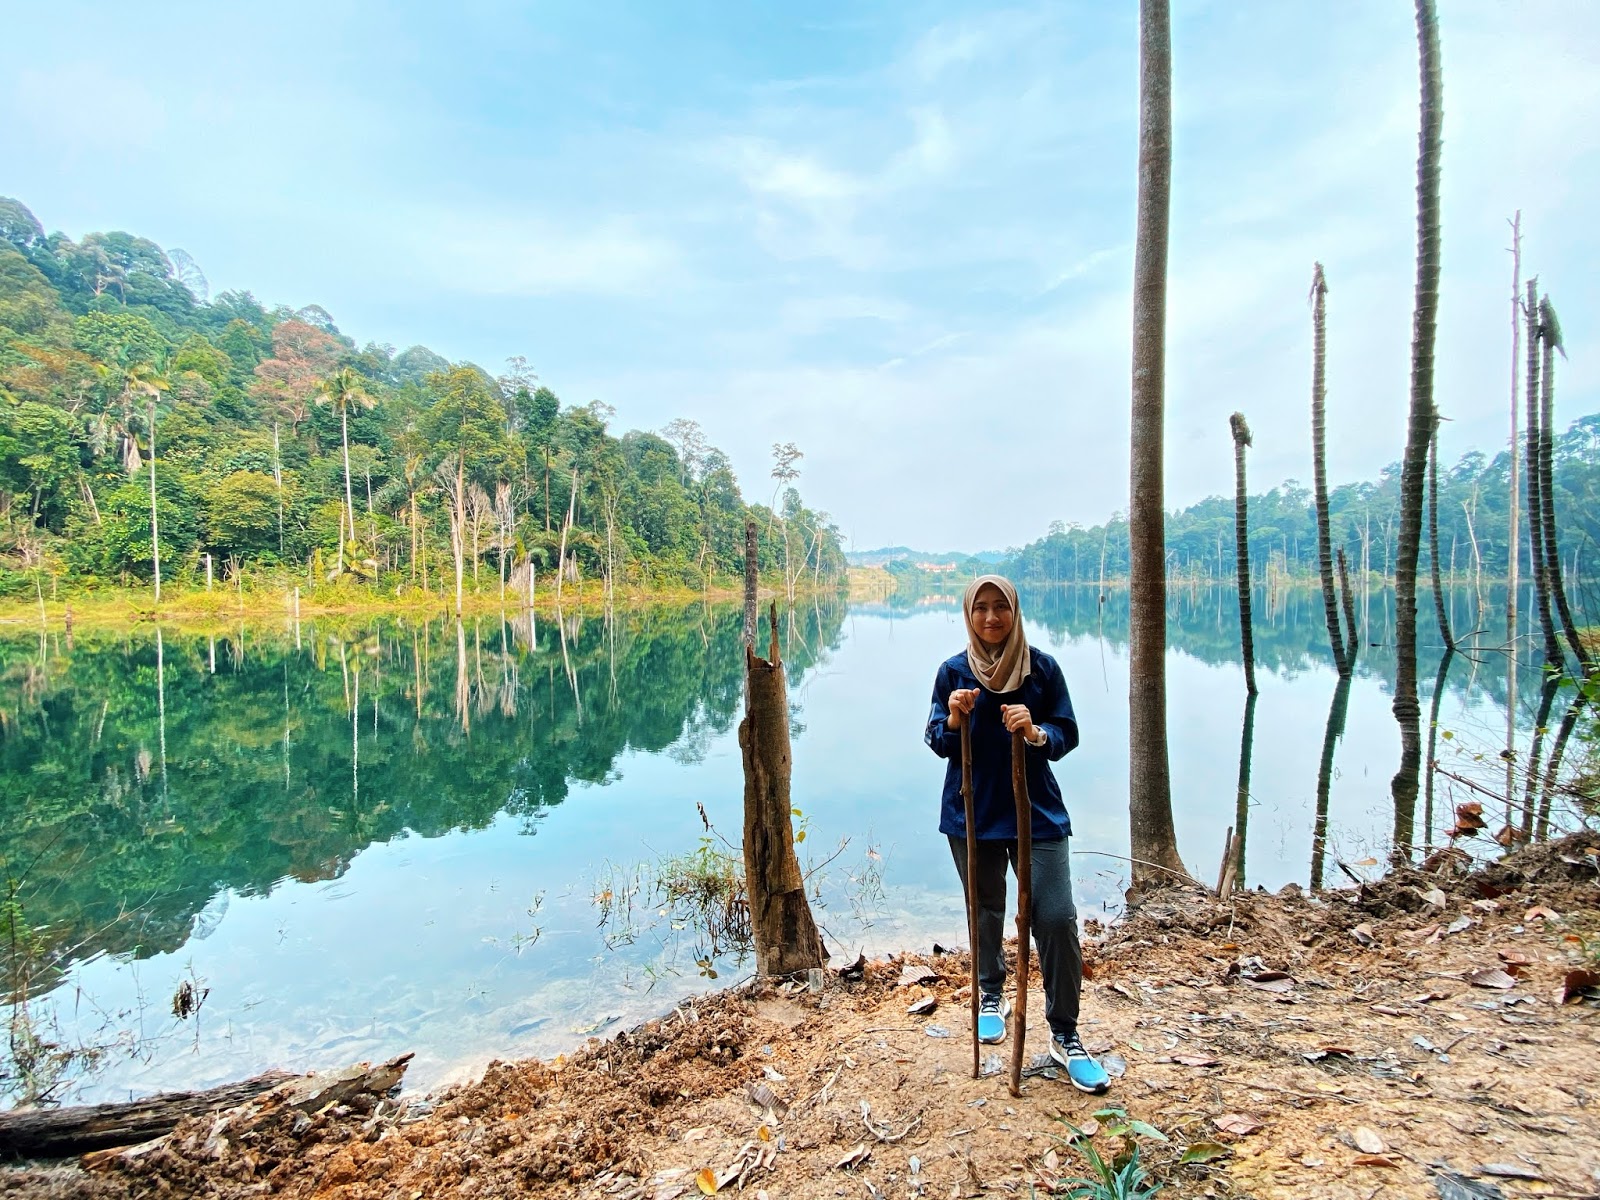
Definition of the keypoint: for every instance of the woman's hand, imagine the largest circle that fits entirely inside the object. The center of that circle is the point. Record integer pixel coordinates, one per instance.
(961, 702)
(1017, 717)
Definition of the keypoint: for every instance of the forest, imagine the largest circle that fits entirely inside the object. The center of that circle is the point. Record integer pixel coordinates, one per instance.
(264, 447)
(1473, 525)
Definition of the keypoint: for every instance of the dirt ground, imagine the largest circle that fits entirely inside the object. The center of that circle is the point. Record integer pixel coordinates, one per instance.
(1409, 1038)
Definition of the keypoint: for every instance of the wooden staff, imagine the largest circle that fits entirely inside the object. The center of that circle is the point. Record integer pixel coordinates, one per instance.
(972, 876)
(1019, 789)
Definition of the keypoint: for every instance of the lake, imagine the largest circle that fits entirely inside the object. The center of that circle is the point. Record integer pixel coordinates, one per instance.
(357, 837)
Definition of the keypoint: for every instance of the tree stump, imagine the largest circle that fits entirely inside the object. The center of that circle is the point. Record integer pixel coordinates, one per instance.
(785, 933)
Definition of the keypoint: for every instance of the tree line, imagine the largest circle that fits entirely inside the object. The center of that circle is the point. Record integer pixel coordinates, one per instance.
(1474, 525)
(148, 430)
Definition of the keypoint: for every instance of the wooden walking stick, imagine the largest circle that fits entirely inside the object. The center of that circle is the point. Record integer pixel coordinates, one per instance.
(1019, 788)
(972, 877)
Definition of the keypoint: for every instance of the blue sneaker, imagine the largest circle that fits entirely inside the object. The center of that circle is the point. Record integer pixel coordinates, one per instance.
(1085, 1073)
(993, 1009)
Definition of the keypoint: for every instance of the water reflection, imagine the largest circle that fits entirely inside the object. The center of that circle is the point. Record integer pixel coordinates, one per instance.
(286, 765)
(1332, 732)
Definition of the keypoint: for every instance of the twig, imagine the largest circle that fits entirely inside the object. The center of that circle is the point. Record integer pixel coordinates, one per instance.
(1138, 862)
(1272, 1087)
(1477, 787)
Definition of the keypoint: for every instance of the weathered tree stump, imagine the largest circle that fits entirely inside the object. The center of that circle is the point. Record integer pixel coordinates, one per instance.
(785, 933)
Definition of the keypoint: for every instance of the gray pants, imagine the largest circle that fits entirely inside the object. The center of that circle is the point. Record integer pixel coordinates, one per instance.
(1054, 923)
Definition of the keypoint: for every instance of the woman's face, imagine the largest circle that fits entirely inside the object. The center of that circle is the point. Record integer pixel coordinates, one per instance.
(992, 617)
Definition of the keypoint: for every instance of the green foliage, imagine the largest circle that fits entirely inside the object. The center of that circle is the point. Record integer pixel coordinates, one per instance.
(91, 331)
(1110, 1181)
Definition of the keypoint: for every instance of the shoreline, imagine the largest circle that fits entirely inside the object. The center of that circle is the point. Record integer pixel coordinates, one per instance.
(1281, 1045)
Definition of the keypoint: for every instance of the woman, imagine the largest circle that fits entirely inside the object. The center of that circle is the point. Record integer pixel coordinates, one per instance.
(999, 685)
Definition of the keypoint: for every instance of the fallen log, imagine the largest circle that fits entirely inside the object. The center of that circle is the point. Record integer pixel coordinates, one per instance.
(103, 1131)
(305, 1094)
(65, 1132)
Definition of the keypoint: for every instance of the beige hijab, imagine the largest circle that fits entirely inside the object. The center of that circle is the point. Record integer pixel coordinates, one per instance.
(998, 668)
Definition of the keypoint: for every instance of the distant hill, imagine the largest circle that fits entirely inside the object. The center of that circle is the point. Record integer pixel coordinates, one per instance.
(905, 554)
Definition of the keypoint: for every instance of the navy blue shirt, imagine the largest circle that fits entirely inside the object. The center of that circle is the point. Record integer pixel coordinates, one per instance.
(994, 808)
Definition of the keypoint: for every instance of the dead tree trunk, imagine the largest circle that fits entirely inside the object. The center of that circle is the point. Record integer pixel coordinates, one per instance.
(1536, 546)
(1433, 536)
(785, 934)
(1319, 460)
(750, 577)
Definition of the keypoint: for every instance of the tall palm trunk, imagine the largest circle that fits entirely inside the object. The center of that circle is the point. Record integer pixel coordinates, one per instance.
(349, 504)
(277, 479)
(1513, 538)
(1533, 440)
(1153, 839)
(1407, 708)
(1433, 536)
(1241, 553)
(1550, 335)
(1319, 462)
(155, 533)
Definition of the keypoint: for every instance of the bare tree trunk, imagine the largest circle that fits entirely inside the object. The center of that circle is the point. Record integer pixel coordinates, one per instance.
(1536, 546)
(785, 933)
(1433, 535)
(1153, 840)
(751, 576)
(1353, 644)
(1407, 707)
(1241, 554)
(1241, 804)
(566, 526)
(1319, 461)
(1513, 537)
(1550, 336)
(277, 478)
(155, 535)
(1433, 744)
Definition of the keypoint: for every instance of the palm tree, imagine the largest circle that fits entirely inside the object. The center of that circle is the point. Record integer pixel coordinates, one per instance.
(1550, 339)
(344, 390)
(1153, 839)
(1241, 554)
(1537, 551)
(142, 379)
(1319, 460)
(1433, 537)
(1407, 708)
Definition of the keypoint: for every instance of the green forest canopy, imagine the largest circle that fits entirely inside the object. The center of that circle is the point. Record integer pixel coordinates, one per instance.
(252, 407)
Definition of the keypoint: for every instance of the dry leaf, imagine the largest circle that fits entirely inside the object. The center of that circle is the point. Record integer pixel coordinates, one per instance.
(1363, 934)
(1491, 977)
(1519, 958)
(1375, 1160)
(1237, 1124)
(764, 1134)
(706, 1178)
(922, 1007)
(697, 1134)
(1194, 1060)
(915, 973)
(854, 1159)
(1367, 1140)
(1540, 913)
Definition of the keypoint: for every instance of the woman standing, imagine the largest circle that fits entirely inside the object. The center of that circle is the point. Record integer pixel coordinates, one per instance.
(1000, 685)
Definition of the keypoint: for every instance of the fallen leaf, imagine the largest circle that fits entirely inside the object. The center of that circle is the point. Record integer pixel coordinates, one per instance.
(1367, 1140)
(855, 971)
(1204, 1152)
(1365, 862)
(1346, 1051)
(1363, 934)
(1519, 958)
(1540, 913)
(924, 1006)
(1434, 897)
(1576, 982)
(1511, 1171)
(1194, 1060)
(1491, 977)
(854, 1159)
(706, 1178)
(764, 1134)
(1115, 1065)
(697, 1134)
(1285, 984)
(1237, 1124)
(1375, 1160)
(1459, 925)
(936, 1031)
(1052, 1161)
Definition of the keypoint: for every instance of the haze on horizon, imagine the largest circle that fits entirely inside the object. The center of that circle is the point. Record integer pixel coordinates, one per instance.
(901, 239)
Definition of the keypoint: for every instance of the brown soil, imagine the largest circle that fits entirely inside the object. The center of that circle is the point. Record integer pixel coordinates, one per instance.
(1331, 1046)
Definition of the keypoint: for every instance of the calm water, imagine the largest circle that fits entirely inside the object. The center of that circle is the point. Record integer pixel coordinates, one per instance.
(372, 837)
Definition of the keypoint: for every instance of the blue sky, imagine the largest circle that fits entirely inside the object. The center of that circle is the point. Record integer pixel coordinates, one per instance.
(898, 235)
